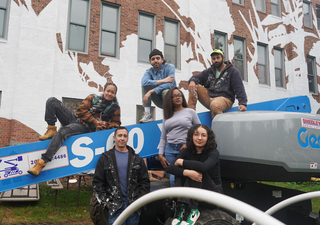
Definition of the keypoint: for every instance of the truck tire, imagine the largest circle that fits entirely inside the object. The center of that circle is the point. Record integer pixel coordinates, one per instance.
(212, 217)
(99, 216)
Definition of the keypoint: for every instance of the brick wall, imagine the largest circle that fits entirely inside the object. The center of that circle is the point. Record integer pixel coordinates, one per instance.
(13, 132)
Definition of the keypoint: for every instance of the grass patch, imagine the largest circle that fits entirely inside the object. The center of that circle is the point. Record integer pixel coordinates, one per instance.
(44, 212)
(301, 186)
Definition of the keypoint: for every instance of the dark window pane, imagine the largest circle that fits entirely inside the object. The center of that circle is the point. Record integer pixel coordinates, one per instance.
(77, 38)
(109, 18)
(146, 27)
(2, 22)
(108, 43)
(79, 10)
(144, 50)
(3, 4)
(239, 65)
(171, 33)
(238, 49)
(307, 14)
(310, 65)
(262, 74)
(311, 84)
(279, 79)
(171, 54)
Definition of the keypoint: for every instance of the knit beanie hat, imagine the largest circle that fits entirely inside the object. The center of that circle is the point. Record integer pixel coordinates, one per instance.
(155, 52)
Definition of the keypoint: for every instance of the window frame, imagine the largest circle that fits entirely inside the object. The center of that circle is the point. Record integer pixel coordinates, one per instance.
(278, 6)
(87, 27)
(314, 75)
(282, 67)
(310, 14)
(117, 33)
(6, 20)
(267, 78)
(263, 5)
(141, 38)
(177, 50)
(225, 49)
(244, 76)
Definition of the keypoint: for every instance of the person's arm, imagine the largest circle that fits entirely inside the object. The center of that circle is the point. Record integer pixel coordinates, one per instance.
(195, 119)
(206, 166)
(162, 145)
(168, 80)
(84, 114)
(173, 168)
(238, 89)
(143, 180)
(99, 182)
(200, 78)
(115, 120)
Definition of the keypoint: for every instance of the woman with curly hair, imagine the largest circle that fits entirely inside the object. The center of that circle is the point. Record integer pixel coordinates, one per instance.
(176, 123)
(196, 166)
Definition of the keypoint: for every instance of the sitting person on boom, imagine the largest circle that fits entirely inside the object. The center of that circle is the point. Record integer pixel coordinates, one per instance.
(94, 113)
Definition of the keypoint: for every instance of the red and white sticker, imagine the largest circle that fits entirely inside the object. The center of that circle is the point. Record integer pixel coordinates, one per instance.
(314, 124)
(313, 165)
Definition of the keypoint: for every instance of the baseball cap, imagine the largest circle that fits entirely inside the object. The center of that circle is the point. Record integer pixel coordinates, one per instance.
(217, 51)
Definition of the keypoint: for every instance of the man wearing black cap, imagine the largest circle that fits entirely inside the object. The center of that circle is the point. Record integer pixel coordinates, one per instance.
(221, 82)
(155, 83)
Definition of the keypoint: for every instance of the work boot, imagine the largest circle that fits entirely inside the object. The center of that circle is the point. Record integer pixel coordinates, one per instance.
(51, 131)
(36, 169)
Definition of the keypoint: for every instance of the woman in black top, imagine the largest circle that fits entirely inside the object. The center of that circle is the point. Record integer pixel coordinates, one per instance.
(196, 166)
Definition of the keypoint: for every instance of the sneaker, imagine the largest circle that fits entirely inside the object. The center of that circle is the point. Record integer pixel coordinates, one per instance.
(146, 118)
(178, 215)
(192, 218)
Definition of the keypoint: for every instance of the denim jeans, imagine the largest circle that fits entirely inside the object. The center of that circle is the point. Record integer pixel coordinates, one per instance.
(55, 109)
(170, 152)
(133, 219)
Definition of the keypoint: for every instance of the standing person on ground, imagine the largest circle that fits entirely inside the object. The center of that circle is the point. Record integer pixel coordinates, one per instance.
(176, 123)
(94, 113)
(120, 178)
(196, 166)
(221, 82)
(155, 83)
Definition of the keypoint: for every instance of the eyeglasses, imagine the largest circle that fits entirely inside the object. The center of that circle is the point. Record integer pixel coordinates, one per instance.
(176, 96)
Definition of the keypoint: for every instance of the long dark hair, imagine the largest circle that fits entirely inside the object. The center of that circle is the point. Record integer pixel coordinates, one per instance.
(113, 84)
(167, 105)
(211, 142)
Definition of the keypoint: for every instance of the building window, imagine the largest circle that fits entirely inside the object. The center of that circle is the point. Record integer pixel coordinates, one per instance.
(261, 5)
(78, 25)
(146, 36)
(240, 57)
(238, 1)
(4, 17)
(276, 7)
(311, 74)
(318, 16)
(109, 30)
(307, 14)
(171, 39)
(278, 66)
(262, 64)
(220, 42)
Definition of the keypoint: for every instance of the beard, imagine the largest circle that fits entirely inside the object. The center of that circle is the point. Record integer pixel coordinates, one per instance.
(218, 65)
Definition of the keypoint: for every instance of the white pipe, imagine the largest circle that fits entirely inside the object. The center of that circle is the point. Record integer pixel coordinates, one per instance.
(249, 212)
(292, 200)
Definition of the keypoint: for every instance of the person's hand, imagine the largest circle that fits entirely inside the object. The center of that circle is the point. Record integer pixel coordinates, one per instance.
(179, 162)
(242, 108)
(183, 147)
(146, 97)
(164, 162)
(169, 79)
(192, 87)
(193, 175)
(101, 125)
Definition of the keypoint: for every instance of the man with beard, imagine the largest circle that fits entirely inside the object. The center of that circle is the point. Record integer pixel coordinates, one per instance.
(156, 82)
(221, 82)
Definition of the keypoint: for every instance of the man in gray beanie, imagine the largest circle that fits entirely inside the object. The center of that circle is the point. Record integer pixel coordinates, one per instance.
(156, 82)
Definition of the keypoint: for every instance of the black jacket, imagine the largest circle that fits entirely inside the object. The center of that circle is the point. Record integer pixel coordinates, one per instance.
(106, 180)
(228, 84)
